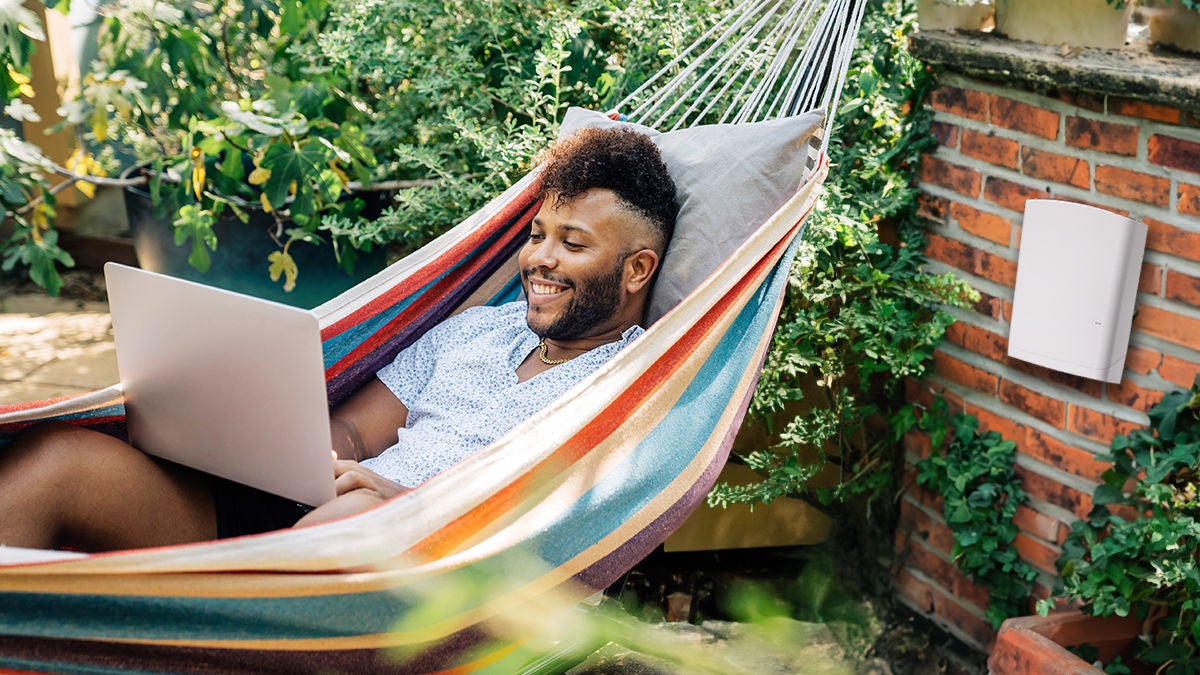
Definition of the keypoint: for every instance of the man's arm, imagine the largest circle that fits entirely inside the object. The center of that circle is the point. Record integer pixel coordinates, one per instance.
(365, 424)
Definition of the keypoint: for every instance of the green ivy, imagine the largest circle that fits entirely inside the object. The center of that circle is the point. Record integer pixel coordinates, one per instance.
(1136, 554)
(861, 314)
(981, 492)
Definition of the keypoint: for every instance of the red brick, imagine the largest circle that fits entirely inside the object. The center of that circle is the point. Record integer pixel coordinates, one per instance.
(1133, 396)
(1008, 310)
(1142, 361)
(1035, 523)
(1093, 102)
(932, 207)
(991, 148)
(1082, 385)
(989, 305)
(1166, 238)
(982, 224)
(990, 421)
(963, 373)
(1189, 199)
(1183, 288)
(975, 629)
(1011, 195)
(1096, 425)
(1045, 408)
(1150, 280)
(917, 443)
(969, 259)
(1172, 327)
(1030, 119)
(1174, 153)
(918, 524)
(1053, 452)
(1054, 492)
(1135, 185)
(1177, 371)
(960, 179)
(946, 134)
(1037, 553)
(1110, 137)
(965, 589)
(1149, 111)
(946, 574)
(979, 340)
(1057, 168)
(967, 103)
(918, 593)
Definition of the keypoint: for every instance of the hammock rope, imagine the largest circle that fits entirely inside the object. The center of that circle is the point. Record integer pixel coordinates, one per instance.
(737, 67)
(584, 489)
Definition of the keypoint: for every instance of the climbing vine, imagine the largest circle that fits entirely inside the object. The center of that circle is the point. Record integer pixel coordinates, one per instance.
(861, 314)
(976, 478)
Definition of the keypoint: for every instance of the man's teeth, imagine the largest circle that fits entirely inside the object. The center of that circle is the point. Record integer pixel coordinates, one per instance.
(543, 289)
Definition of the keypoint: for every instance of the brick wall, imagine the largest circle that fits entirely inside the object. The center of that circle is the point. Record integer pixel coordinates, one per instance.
(1001, 145)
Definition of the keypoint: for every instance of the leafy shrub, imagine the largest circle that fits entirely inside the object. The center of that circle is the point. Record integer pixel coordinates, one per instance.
(1138, 551)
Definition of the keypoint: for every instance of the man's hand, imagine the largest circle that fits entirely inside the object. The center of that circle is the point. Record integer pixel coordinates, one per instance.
(358, 489)
(350, 476)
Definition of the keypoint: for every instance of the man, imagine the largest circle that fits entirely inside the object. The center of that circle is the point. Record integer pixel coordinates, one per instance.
(607, 214)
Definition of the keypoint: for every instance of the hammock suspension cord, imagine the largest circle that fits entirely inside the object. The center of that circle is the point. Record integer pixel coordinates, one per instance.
(770, 58)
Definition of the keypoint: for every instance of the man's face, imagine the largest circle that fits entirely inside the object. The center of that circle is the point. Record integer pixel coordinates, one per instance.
(573, 266)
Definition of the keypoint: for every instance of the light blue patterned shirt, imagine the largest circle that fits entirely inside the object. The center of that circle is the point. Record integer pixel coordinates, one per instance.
(459, 383)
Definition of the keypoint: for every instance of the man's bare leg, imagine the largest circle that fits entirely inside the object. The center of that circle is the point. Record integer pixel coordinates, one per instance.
(63, 486)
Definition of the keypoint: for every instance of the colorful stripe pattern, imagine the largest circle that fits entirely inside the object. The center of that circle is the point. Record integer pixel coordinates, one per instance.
(443, 578)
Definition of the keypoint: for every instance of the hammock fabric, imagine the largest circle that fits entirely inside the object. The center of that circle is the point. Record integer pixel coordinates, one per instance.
(444, 578)
(588, 487)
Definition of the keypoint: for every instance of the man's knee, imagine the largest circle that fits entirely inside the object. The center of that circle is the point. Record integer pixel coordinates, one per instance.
(57, 447)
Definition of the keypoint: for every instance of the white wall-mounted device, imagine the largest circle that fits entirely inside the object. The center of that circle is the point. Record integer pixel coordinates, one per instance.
(1077, 277)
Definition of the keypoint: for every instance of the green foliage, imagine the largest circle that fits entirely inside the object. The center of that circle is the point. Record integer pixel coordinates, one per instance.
(1136, 553)
(860, 315)
(981, 492)
(287, 105)
(467, 93)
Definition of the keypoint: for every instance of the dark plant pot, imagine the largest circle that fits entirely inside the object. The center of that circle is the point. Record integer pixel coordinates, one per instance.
(1037, 645)
(240, 261)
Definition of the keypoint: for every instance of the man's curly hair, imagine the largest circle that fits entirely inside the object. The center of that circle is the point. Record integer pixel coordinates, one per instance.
(622, 160)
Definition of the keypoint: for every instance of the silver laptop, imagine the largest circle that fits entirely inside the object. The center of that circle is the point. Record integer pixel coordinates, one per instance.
(222, 382)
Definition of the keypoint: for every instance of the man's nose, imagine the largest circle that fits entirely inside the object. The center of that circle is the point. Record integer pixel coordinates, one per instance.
(542, 254)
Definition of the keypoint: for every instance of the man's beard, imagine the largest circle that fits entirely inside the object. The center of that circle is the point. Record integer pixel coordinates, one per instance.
(594, 302)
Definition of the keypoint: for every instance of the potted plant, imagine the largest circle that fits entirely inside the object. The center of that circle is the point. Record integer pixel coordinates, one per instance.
(1077, 23)
(1175, 23)
(1135, 556)
(955, 14)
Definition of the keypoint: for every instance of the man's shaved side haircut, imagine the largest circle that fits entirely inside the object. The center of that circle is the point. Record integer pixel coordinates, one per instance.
(621, 160)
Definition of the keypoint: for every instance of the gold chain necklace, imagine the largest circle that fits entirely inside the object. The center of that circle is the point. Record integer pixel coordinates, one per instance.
(543, 350)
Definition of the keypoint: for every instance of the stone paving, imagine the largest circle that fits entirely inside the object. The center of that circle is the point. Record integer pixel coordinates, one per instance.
(53, 347)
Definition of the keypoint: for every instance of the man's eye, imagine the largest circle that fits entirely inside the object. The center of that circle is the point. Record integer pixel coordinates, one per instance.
(572, 245)
(534, 237)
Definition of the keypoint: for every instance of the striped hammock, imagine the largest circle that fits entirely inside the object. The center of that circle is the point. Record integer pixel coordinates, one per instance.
(449, 577)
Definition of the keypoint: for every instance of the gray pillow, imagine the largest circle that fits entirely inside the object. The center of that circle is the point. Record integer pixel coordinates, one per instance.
(729, 178)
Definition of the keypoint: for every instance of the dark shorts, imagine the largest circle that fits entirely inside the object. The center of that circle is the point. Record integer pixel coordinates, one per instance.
(244, 510)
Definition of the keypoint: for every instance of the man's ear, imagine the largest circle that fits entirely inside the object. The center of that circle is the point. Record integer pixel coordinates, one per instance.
(639, 269)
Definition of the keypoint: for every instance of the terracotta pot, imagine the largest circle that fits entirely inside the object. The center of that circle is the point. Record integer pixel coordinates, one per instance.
(949, 15)
(1175, 26)
(1037, 645)
(1078, 23)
